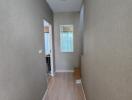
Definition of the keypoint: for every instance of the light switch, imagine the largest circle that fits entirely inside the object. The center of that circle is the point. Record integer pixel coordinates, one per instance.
(40, 51)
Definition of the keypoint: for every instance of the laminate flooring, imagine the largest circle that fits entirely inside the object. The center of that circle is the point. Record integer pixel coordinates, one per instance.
(63, 87)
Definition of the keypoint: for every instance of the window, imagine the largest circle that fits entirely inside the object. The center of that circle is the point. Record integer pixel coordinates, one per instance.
(47, 43)
(66, 38)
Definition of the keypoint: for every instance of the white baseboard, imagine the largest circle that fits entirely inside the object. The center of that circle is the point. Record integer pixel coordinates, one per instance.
(83, 91)
(46, 92)
(64, 71)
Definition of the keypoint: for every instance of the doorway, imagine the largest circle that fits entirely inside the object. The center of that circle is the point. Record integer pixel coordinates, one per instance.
(48, 47)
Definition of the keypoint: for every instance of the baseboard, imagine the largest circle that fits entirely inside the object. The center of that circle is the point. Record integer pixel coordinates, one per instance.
(83, 90)
(44, 97)
(64, 71)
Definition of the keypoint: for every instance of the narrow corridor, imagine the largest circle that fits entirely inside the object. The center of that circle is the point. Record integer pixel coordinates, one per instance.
(63, 87)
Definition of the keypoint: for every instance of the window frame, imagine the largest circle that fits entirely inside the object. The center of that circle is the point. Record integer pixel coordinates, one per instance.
(60, 38)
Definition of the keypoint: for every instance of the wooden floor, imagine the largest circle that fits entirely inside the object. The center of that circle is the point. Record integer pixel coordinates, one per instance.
(63, 87)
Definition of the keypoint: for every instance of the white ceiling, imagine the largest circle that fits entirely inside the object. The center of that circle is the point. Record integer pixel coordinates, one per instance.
(65, 5)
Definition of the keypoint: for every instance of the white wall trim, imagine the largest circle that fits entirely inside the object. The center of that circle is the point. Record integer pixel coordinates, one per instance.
(83, 90)
(51, 43)
(46, 93)
(63, 71)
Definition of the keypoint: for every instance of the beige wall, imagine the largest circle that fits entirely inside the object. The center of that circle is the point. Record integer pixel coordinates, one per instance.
(22, 69)
(107, 59)
(66, 61)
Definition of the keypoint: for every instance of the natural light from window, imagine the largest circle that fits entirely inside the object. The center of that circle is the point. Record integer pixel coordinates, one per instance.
(66, 38)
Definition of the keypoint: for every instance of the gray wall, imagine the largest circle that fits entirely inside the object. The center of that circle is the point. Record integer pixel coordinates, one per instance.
(107, 60)
(67, 61)
(82, 26)
(22, 69)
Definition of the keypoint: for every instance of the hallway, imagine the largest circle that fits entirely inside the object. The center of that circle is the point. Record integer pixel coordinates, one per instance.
(93, 36)
(63, 87)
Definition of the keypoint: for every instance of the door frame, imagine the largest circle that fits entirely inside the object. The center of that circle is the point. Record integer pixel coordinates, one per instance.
(51, 44)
